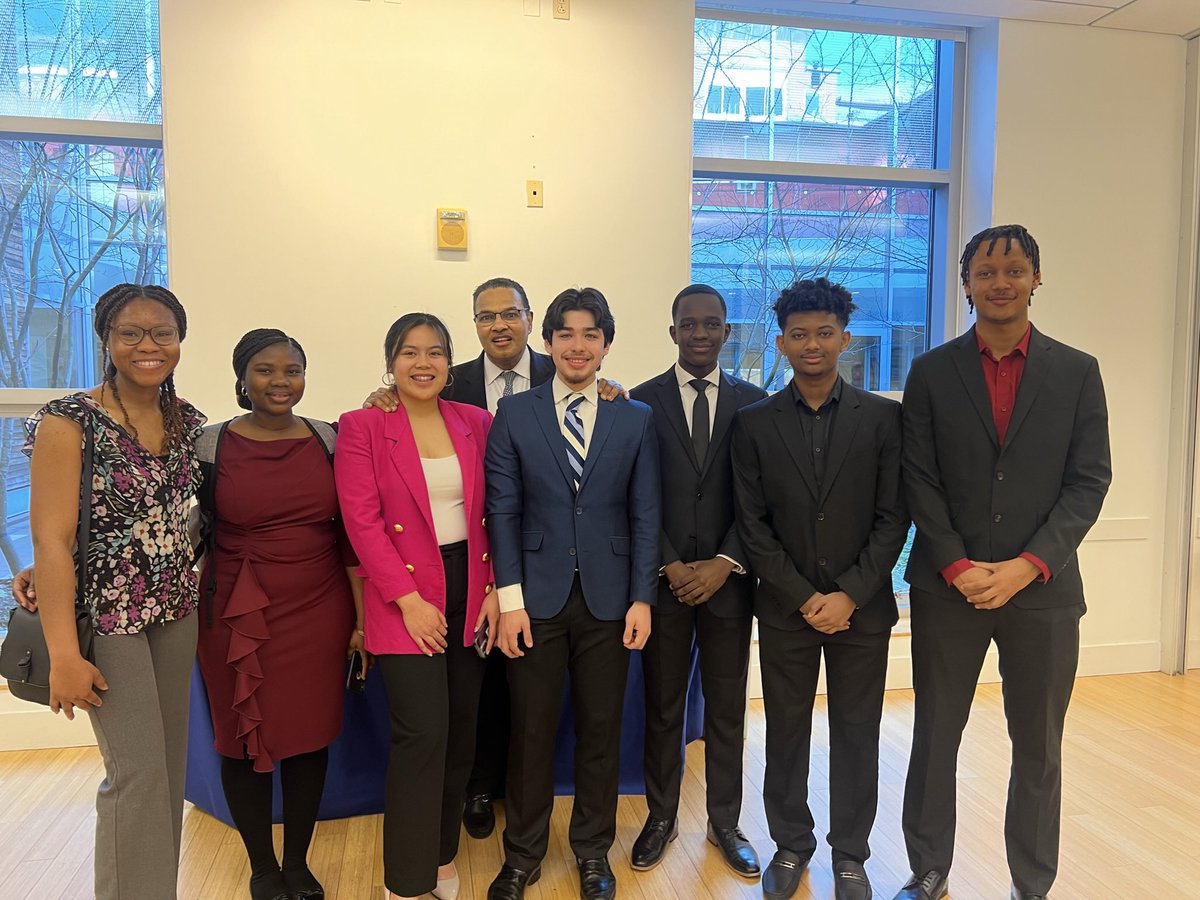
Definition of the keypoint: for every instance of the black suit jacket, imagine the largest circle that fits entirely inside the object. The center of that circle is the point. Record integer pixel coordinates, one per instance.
(845, 535)
(697, 495)
(467, 385)
(1039, 492)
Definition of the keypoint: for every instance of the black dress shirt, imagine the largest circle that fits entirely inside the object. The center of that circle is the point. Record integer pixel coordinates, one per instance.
(817, 426)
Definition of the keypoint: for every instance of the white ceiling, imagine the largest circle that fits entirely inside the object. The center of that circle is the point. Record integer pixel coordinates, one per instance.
(1181, 17)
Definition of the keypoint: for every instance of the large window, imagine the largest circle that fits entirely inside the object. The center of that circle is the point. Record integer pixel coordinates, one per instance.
(821, 152)
(825, 152)
(81, 206)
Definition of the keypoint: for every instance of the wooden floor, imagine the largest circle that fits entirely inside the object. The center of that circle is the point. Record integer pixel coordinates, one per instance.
(1131, 815)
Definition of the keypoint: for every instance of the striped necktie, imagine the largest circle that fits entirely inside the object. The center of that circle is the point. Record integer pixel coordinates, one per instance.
(573, 437)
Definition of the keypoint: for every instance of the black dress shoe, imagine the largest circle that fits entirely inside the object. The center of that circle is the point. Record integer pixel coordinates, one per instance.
(1018, 894)
(478, 816)
(596, 879)
(850, 881)
(510, 884)
(739, 853)
(783, 874)
(933, 885)
(651, 844)
(301, 884)
(269, 885)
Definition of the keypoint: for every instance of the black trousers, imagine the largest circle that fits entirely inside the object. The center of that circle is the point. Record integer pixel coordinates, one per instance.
(577, 642)
(432, 701)
(491, 730)
(724, 662)
(1039, 652)
(855, 670)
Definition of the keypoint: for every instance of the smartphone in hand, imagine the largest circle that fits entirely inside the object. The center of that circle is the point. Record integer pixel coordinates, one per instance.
(356, 672)
(481, 640)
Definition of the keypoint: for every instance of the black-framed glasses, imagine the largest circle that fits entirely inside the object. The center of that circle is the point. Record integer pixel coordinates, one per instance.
(131, 335)
(513, 314)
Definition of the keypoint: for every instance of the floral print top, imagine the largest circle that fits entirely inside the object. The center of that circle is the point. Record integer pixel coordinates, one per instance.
(139, 558)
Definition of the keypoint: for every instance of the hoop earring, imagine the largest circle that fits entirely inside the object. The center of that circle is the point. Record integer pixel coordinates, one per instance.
(388, 379)
(450, 378)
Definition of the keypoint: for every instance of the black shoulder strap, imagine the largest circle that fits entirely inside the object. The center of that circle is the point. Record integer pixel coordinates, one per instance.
(85, 512)
(325, 433)
(208, 451)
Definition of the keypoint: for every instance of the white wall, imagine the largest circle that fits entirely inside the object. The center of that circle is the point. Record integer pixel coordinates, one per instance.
(309, 143)
(1088, 154)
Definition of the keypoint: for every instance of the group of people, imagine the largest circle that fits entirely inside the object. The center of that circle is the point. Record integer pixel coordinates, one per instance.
(519, 502)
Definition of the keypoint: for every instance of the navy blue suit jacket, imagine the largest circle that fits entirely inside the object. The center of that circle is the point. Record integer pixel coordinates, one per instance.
(541, 531)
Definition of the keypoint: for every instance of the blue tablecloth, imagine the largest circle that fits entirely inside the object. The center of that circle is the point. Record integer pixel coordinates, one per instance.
(358, 758)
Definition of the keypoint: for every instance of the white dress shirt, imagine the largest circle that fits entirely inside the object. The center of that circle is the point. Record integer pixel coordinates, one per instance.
(493, 379)
(687, 396)
(511, 596)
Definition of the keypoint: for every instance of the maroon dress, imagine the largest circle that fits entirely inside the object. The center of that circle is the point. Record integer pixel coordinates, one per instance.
(274, 660)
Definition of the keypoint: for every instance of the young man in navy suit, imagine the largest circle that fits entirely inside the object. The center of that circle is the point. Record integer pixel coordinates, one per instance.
(821, 515)
(705, 594)
(574, 521)
(1006, 465)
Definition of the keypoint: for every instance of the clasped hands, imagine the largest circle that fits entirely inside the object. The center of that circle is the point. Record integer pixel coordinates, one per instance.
(426, 624)
(989, 585)
(695, 582)
(828, 613)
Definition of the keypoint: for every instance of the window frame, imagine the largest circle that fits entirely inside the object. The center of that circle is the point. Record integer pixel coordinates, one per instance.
(943, 181)
(18, 402)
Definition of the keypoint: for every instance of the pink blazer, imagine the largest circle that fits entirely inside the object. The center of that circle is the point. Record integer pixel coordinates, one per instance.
(385, 507)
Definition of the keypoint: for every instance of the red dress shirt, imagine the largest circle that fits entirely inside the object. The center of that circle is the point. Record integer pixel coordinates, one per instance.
(1003, 378)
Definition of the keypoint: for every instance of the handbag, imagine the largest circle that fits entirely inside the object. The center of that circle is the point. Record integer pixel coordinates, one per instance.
(24, 657)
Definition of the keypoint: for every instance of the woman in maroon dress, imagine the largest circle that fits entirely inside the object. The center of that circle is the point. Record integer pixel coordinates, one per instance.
(281, 609)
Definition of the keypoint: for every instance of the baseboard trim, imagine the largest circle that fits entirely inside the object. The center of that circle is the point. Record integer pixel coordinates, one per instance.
(26, 726)
(1094, 659)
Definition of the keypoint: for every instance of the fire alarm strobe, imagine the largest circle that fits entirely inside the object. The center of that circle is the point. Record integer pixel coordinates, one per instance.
(451, 229)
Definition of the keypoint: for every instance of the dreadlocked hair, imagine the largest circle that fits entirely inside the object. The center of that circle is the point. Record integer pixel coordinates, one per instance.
(993, 235)
(252, 343)
(111, 302)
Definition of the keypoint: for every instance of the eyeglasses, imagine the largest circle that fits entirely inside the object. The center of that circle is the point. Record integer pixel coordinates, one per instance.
(131, 335)
(510, 315)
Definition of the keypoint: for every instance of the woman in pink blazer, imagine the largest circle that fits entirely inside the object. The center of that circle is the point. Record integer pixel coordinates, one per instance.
(410, 485)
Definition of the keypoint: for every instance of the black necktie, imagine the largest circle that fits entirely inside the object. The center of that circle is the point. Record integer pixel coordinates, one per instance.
(700, 420)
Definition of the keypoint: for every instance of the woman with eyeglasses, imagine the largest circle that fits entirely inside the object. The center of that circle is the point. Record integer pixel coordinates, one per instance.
(411, 489)
(139, 585)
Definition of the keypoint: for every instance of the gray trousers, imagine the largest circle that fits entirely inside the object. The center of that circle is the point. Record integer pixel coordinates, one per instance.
(142, 733)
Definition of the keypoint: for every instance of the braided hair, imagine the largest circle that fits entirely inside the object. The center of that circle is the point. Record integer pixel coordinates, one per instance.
(111, 302)
(252, 343)
(1007, 233)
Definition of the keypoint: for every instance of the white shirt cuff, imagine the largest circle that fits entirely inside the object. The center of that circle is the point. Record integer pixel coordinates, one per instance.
(738, 568)
(511, 598)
